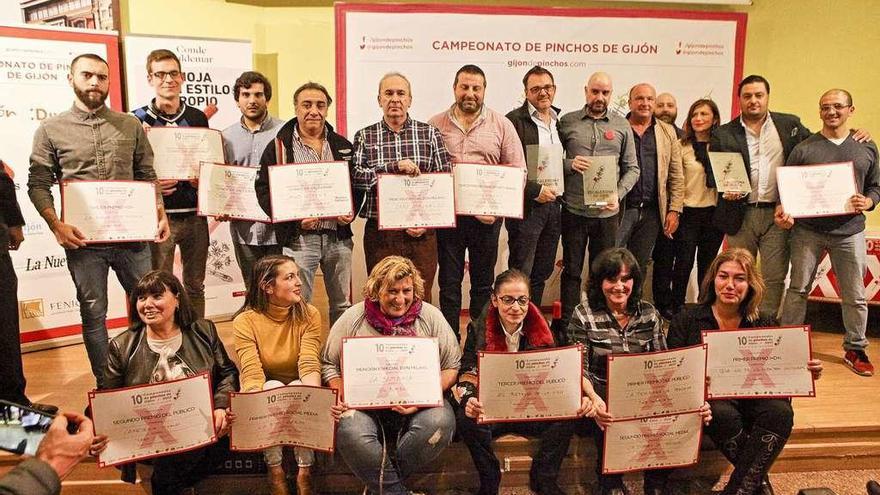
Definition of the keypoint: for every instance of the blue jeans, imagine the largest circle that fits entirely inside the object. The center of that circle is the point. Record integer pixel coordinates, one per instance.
(365, 438)
(848, 261)
(324, 249)
(89, 267)
(759, 234)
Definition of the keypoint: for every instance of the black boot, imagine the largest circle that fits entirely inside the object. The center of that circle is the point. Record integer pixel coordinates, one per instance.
(754, 460)
(730, 447)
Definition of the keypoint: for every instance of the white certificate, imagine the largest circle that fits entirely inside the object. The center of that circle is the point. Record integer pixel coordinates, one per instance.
(730, 174)
(759, 362)
(816, 190)
(531, 385)
(656, 383)
(382, 372)
(310, 190)
(600, 181)
(492, 190)
(154, 420)
(177, 151)
(652, 443)
(294, 415)
(424, 201)
(545, 166)
(110, 210)
(229, 190)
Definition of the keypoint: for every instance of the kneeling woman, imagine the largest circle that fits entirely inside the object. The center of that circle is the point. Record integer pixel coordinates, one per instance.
(382, 447)
(749, 432)
(278, 342)
(510, 323)
(165, 342)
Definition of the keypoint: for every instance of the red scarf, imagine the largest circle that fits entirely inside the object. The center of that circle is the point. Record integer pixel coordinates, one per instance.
(402, 325)
(535, 330)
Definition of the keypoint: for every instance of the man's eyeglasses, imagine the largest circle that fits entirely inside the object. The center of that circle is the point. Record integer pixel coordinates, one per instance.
(837, 106)
(536, 90)
(523, 301)
(160, 75)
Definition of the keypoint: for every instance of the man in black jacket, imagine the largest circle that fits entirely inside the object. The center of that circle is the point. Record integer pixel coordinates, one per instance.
(308, 138)
(533, 240)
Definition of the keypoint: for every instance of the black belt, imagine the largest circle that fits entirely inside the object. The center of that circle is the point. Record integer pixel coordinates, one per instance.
(763, 204)
(643, 204)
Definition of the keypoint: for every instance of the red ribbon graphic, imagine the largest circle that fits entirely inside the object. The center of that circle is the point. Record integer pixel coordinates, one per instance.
(282, 417)
(531, 384)
(659, 392)
(653, 448)
(757, 372)
(392, 378)
(156, 429)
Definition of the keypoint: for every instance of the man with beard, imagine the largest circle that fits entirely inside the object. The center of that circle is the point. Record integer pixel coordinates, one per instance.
(92, 142)
(591, 131)
(244, 143)
(666, 110)
(473, 133)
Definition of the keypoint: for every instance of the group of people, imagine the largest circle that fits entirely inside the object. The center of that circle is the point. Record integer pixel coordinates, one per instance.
(668, 208)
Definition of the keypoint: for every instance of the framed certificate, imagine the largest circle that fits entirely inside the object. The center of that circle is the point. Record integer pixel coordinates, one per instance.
(382, 372)
(730, 173)
(310, 190)
(816, 190)
(545, 166)
(110, 210)
(147, 421)
(229, 190)
(759, 363)
(600, 181)
(424, 201)
(656, 383)
(177, 151)
(492, 190)
(293, 415)
(652, 443)
(530, 385)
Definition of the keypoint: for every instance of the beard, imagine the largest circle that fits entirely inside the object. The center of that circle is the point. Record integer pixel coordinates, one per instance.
(92, 99)
(667, 117)
(598, 107)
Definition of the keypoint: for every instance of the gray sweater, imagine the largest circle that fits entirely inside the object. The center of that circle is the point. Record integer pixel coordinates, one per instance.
(31, 477)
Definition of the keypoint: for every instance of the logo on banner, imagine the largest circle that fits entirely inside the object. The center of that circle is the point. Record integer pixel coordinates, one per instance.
(31, 308)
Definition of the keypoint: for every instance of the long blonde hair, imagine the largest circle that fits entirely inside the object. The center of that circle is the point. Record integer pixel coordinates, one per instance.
(389, 271)
(749, 307)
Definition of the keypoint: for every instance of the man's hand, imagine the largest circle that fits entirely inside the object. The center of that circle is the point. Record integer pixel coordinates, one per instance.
(861, 203)
(344, 220)
(733, 196)
(782, 219)
(581, 163)
(61, 450)
(612, 205)
(167, 186)
(815, 367)
(408, 167)
(671, 223)
(416, 232)
(164, 230)
(861, 135)
(488, 220)
(309, 223)
(473, 409)
(16, 237)
(68, 236)
(546, 195)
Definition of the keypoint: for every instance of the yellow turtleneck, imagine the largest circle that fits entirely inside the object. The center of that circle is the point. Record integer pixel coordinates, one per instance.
(270, 347)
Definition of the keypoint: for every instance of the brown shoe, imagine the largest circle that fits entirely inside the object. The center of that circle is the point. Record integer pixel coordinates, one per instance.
(304, 481)
(278, 481)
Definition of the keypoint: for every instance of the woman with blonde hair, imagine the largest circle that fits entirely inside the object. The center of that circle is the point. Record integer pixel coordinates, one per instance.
(384, 446)
(278, 341)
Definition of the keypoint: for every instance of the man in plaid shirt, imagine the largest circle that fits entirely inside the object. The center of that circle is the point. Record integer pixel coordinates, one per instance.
(397, 144)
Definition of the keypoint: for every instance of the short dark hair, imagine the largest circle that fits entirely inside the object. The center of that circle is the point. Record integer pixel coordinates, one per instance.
(752, 80)
(509, 276)
(90, 56)
(607, 266)
(536, 71)
(246, 79)
(154, 283)
(470, 69)
(314, 86)
(162, 54)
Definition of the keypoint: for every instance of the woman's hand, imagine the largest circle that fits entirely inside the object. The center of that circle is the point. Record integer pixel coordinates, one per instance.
(473, 409)
(815, 366)
(230, 417)
(588, 408)
(338, 410)
(99, 444)
(706, 413)
(405, 411)
(221, 425)
(602, 417)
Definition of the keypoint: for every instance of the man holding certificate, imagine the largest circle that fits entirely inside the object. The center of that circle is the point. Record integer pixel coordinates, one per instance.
(313, 242)
(473, 133)
(533, 240)
(841, 236)
(92, 142)
(587, 134)
(384, 446)
(397, 144)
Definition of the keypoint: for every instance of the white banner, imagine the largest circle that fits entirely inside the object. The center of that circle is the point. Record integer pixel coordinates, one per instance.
(33, 86)
(210, 67)
(689, 54)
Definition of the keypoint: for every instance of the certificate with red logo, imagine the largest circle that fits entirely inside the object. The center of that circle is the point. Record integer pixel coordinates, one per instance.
(729, 171)
(229, 190)
(491, 190)
(817, 190)
(110, 210)
(178, 151)
(310, 190)
(656, 383)
(424, 201)
(293, 415)
(148, 421)
(382, 372)
(530, 385)
(600, 181)
(652, 443)
(759, 362)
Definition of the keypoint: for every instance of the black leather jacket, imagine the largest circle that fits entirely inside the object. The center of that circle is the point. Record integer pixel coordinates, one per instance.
(131, 362)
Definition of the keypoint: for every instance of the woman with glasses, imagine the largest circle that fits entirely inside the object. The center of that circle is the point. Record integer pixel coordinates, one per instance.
(509, 323)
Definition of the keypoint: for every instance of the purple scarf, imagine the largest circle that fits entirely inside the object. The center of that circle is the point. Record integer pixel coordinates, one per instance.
(402, 325)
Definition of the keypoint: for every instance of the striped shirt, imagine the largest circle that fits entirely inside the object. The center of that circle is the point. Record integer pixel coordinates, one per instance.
(601, 335)
(377, 149)
(303, 153)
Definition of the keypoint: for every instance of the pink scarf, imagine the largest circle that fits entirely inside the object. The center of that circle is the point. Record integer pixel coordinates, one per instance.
(402, 325)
